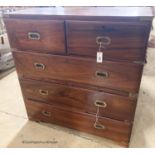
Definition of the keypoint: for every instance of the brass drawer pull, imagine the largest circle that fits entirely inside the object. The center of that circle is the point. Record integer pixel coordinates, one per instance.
(43, 92)
(99, 103)
(102, 74)
(46, 113)
(99, 126)
(39, 66)
(104, 40)
(33, 35)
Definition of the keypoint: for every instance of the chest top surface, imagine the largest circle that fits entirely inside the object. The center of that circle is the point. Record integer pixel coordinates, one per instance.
(83, 12)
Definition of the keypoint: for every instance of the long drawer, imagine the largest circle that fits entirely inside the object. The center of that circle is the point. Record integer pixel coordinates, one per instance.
(79, 99)
(114, 75)
(120, 40)
(116, 130)
(40, 35)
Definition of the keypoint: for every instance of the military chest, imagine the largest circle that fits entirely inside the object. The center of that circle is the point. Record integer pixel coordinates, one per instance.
(81, 67)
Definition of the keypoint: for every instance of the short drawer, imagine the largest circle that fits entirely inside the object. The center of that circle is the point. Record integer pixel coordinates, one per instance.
(113, 75)
(39, 35)
(79, 99)
(115, 130)
(120, 40)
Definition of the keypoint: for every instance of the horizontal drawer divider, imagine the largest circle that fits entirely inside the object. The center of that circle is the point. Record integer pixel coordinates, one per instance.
(85, 86)
(78, 56)
(58, 107)
(76, 111)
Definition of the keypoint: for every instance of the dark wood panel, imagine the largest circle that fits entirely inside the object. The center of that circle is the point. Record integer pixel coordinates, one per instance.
(127, 39)
(39, 35)
(115, 130)
(80, 100)
(120, 76)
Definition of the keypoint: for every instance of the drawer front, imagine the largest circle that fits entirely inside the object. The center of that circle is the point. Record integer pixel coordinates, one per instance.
(120, 40)
(78, 99)
(115, 130)
(119, 76)
(39, 35)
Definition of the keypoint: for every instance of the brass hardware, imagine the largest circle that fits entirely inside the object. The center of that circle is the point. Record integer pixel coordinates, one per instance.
(99, 126)
(43, 92)
(99, 103)
(104, 40)
(46, 113)
(33, 35)
(39, 66)
(133, 95)
(127, 122)
(102, 74)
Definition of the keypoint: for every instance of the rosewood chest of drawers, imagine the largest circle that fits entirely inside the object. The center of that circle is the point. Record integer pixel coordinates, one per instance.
(81, 67)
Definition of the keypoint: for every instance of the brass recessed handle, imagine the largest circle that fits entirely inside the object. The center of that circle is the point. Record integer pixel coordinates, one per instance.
(101, 104)
(99, 126)
(104, 40)
(43, 92)
(46, 113)
(33, 35)
(102, 74)
(39, 66)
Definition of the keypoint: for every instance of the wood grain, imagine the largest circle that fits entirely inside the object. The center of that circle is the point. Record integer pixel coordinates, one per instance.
(115, 130)
(121, 76)
(51, 35)
(128, 40)
(80, 100)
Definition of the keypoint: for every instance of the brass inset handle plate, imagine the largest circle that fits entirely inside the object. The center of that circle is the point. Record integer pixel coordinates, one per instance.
(99, 103)
(33, 35)
(39, 66)
(46, 113)
(43, 92)
(104, 40)
(102, 74)
(99, 126)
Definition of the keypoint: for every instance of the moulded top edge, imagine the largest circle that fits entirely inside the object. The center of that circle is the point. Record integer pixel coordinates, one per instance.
(84, 12)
